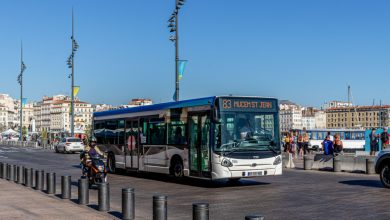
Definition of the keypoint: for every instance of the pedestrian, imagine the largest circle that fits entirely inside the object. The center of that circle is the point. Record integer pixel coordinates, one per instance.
(327, 145)
(306, 140)
(294, 145)
(290, 162)
(287, 143)
(337, 145)
(300, 145)
(374, 142)
(385, 138)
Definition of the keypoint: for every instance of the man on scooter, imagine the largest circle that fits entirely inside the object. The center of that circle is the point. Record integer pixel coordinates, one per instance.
(89, 151)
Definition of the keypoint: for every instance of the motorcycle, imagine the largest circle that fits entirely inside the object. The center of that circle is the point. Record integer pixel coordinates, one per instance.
(97, 172)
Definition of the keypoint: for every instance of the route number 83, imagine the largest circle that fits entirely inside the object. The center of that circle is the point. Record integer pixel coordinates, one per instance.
(227, 104)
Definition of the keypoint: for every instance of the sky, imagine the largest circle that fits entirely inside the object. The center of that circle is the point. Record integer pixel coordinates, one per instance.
(303, 50)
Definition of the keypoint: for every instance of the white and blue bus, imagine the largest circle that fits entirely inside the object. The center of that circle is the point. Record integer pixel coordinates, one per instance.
(223, 137)
(353, 139)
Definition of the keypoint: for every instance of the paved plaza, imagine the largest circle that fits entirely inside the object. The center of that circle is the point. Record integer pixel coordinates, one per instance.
(297, 194)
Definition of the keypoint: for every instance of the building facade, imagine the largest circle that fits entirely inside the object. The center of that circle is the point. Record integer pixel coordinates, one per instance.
(358, 117)
(290, 116)
(53, 114)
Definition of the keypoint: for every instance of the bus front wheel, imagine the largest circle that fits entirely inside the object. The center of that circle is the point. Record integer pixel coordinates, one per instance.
(111, 163)
(385, 175)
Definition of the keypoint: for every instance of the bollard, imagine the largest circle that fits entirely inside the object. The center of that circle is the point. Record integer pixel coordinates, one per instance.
(50, 183)
(200, 211)
(83, 191)
(39, 176)
(11, 173)
(254, 217)
(1, 170)
(27, 177)
(65, 187)
(15, 173)
(370, 166)
(8, 171)
(20, 174)
(128, 204)
(32, 171)
(307, 162)
(104, 196)
(4, 171)
(336, 164)
(160, 211)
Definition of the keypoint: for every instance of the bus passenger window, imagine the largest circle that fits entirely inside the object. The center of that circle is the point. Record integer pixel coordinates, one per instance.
(156, 133)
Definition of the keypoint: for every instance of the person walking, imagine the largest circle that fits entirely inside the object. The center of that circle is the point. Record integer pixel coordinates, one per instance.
(374, 142)
(290, 162)
(385, 136)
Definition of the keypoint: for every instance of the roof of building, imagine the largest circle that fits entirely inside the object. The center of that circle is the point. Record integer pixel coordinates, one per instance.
(287, 102)
(360, 107)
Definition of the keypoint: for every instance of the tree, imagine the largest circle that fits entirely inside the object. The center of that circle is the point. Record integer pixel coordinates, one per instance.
(24, 131)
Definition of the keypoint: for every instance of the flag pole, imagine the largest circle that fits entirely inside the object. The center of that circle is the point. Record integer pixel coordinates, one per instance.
(72, 92)
(21, 92)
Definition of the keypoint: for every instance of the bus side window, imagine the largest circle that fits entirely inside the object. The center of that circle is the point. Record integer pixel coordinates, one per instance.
(156, 132)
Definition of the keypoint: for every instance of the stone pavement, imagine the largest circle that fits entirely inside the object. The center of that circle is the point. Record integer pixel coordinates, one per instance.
(19, 202)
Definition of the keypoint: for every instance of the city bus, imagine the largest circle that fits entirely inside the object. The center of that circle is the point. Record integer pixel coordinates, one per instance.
(224, 137)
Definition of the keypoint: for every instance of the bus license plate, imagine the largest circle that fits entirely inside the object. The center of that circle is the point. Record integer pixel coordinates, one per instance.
(253, 173)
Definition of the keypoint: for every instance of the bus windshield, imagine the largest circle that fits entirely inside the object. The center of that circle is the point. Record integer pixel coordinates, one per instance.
(246, 131)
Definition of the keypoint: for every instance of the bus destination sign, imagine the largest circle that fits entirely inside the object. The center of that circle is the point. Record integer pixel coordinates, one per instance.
(247, 104)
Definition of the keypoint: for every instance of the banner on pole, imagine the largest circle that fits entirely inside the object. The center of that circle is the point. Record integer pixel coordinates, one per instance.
(182, 66)
(76, 90)
(24, 102)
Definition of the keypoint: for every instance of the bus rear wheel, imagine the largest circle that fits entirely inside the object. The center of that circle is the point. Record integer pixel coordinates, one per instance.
(177, 168)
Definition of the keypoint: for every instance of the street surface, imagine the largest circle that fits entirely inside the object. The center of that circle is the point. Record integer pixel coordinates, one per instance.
(19, 202)
(297, 194)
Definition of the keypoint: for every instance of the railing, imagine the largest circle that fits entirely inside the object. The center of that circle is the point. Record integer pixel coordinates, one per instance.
(33, 144)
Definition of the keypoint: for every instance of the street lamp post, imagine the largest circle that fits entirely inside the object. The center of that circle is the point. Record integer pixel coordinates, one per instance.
(20, 81)
(174, 27)
(70, 63)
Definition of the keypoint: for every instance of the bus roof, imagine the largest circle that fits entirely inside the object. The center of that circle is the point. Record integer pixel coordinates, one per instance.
(159, 106)
(168, 105)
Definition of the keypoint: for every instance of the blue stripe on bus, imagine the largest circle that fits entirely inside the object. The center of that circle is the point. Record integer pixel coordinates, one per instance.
(160, 106)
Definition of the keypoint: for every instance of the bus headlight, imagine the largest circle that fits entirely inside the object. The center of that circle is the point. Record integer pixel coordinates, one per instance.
(277, 160)
(226, 163)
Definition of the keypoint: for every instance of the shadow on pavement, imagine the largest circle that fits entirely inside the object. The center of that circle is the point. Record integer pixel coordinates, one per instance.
(116, 214)
(368, 183)
(93, 206)
(196, 182)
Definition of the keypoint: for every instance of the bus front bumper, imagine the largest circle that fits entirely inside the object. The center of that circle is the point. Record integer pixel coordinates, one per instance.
(221, 172)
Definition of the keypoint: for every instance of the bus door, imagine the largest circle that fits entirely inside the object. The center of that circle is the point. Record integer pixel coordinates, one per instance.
(131, 144)
(199, 147)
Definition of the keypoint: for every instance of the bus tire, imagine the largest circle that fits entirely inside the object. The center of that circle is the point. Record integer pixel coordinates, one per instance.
(385, 175)
(111, 163)
(177, 168)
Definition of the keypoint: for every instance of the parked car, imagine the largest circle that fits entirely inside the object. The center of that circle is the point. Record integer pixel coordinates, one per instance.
(382, 166)
(69, 145)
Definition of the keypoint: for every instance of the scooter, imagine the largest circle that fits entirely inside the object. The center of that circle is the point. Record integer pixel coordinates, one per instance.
(97, 172)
